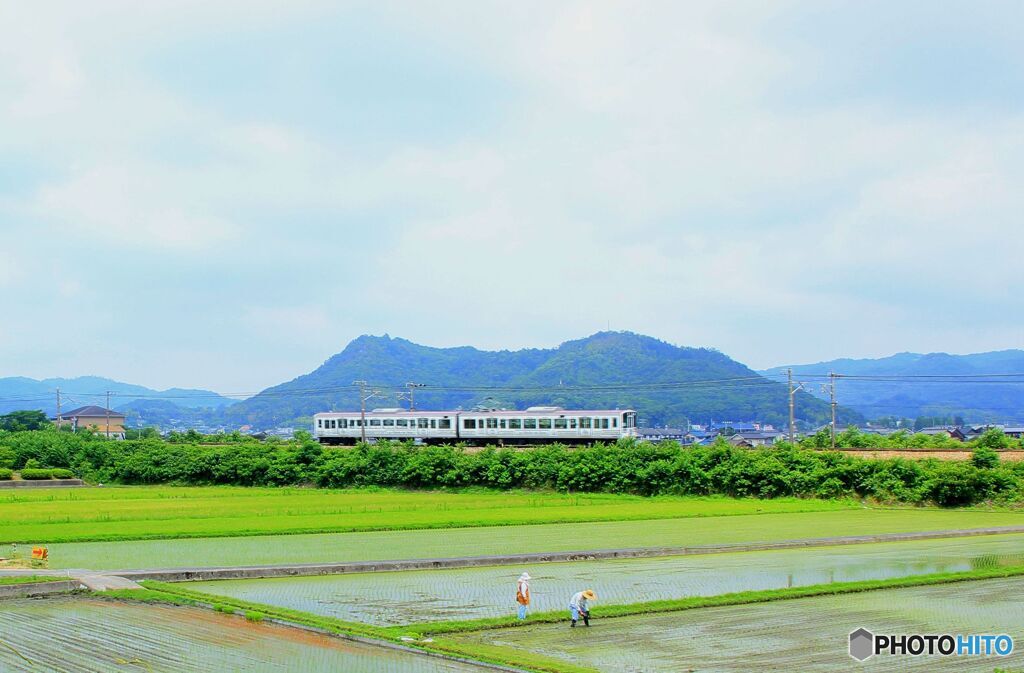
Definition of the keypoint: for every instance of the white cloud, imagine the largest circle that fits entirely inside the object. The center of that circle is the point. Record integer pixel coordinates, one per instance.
(129, 207)
(645, 166)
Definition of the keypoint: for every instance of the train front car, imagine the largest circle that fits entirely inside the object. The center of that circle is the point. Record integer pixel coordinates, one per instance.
(346, 427)
(542, 425)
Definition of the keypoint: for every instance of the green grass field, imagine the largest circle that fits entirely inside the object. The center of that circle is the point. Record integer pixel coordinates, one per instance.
(138, 513)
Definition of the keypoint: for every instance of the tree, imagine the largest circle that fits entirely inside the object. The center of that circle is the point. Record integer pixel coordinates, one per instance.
(20, 421)
(993, 438)
(984, 456)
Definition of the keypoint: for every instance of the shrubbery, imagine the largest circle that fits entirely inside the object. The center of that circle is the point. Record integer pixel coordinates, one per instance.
(6, 473)
(34, 473)
(627, 467)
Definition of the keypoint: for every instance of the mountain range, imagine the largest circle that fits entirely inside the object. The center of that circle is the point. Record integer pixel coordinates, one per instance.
(18, 392)
(666, 384)
(610, 363)
(926, 384)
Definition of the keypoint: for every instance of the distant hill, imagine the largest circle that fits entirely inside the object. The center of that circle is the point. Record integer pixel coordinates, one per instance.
(976, 402)
(606, 359)
(25, 393)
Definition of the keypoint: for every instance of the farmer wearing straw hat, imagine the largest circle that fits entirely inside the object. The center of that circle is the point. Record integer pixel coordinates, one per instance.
(523, 593)
(578, 606)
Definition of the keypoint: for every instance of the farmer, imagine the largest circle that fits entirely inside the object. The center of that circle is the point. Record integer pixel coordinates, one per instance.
(578, 606)
(523, 593)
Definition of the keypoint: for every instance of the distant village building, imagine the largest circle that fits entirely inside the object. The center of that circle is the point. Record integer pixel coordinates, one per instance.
(661, 434)
(948, 431)
(751, 439)
(103, 421)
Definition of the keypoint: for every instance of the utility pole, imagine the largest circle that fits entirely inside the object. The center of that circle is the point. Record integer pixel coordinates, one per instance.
(362, 408)
(412, 394)
(108, 414)
(832, 396)
(60, 421)
(792, 404)
(363, 396)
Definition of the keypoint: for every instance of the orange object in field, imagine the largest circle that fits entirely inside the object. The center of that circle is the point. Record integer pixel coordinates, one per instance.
(40, 552)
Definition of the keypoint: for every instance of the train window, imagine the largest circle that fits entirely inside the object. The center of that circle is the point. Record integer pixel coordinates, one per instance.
(375, 422)
(402, 423)
(560, 424)
(319, 422)
(604, 423)
(501, 424)
(544, 424)
(389, 422)
(572, 423)
(444, 424)
(585, 423)
(514, 424)
(433, 423)
(469, 424)
(615, 422)
(529, 424)
(492, 423)
(422, 423)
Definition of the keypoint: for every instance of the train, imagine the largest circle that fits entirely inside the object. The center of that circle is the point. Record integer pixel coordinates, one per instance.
(535, 425)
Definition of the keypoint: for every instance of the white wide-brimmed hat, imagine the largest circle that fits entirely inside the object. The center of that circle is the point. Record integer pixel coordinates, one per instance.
(525, 576)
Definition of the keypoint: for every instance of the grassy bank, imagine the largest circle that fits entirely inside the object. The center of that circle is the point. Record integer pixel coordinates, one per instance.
(139, 513)
(29, 579)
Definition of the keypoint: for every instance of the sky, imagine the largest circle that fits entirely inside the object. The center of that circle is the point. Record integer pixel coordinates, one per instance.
(224, 194)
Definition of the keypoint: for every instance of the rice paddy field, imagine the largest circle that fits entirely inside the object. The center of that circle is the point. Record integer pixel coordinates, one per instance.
(808, 634)
(387, 599)
(490, 540)
(93, 636)
(107, 529)
(161, 512)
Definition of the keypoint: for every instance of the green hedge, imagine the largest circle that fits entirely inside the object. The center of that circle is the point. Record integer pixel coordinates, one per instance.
(6, 473)
(61, 473)
(626, 467)
(35, 474)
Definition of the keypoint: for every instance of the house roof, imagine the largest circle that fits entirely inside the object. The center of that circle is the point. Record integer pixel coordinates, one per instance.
(90, 411)
(661, 431)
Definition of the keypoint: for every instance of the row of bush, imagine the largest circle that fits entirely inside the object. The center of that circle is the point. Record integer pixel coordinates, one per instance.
(627, 467)
(36, 474)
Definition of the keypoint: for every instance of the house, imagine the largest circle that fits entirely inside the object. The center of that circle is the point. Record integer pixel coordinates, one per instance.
(99, 420)
(661, 434)
(1015, 431)
(975, 431)
(951, 432)
(752, 439)
(698, 437)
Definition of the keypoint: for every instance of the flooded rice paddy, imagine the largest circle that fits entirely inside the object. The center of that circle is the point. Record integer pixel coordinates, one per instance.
(90, 636)
(413, 544)
(809, 634)
(391, 598)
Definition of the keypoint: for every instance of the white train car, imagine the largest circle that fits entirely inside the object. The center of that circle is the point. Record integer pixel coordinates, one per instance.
(346, 427)
(547, 424)
(535, 425)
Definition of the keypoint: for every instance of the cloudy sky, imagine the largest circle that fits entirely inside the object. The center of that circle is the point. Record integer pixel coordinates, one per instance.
(223, 194)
